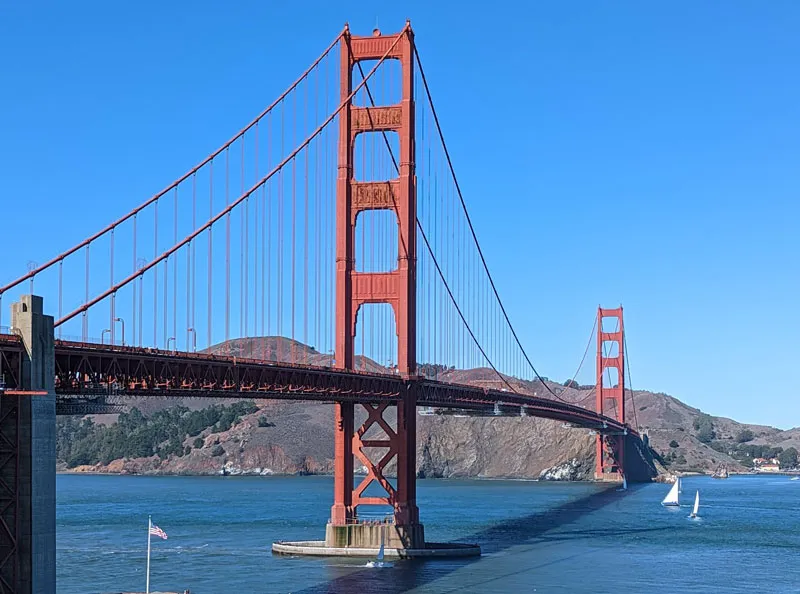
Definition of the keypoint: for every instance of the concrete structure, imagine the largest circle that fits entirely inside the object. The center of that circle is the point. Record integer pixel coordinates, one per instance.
(318, 548)
(36, 475)
(369, 535)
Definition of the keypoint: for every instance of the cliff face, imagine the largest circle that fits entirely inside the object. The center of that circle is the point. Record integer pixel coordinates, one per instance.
(496, 447)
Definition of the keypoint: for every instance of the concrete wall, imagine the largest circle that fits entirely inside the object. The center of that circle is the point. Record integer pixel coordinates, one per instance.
(369, 536)
(37, 468)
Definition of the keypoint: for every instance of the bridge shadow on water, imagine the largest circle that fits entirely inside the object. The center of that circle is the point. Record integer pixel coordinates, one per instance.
(530, 530)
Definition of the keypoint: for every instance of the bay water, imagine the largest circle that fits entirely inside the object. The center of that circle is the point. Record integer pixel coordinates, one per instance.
(535, 537)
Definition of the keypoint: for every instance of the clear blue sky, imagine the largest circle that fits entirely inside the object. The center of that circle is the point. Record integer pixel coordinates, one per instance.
(645, 155)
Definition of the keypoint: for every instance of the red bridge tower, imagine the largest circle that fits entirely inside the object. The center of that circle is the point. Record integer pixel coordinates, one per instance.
(397, 288)
(610, 393)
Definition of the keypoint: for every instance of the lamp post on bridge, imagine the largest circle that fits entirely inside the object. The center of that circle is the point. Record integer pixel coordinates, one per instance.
(121, 321)
(103, 335)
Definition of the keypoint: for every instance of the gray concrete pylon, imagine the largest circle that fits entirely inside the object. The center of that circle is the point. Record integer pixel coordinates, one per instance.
(36, 541)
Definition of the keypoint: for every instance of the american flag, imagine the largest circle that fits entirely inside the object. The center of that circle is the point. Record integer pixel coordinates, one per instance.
(156, 531)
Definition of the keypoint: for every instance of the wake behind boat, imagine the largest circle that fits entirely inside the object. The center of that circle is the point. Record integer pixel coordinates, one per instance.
(672, 498)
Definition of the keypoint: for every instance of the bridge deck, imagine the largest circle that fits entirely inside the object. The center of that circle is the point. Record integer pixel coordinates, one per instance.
(89, 369)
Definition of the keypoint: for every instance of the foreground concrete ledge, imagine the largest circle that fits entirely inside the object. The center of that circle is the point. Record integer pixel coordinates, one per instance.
(318, 548)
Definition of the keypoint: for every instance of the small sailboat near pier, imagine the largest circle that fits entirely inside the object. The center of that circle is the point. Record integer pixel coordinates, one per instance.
(672, 498)
(379, 562)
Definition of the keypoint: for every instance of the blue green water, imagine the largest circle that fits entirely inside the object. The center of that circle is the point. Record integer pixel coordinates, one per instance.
(536, 537)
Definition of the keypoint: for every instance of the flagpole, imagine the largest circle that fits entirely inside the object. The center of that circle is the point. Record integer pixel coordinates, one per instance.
(149, 525)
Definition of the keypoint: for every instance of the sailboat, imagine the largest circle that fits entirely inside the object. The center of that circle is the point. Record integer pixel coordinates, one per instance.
(379, 562)
(671, 499)
(624, 484)
(696, 505)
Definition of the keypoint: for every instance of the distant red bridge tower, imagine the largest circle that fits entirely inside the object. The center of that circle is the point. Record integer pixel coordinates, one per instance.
(610, 392)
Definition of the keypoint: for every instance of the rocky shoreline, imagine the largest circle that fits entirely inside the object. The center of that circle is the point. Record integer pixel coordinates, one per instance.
(290, 439)
(573, 470)
(285, 438)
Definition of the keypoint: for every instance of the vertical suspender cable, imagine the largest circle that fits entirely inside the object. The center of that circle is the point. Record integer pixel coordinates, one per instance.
(210, 276)
(155, 276)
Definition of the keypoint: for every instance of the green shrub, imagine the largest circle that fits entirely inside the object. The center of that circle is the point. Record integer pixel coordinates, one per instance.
(136, 436)
(788, 458)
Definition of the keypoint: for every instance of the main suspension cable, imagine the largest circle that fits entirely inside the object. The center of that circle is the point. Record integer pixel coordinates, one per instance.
(472, 229)
(233, 204)
(630, 382)
(433, 256)
(107, 229)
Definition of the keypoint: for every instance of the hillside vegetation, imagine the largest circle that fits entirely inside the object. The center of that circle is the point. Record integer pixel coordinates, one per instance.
(82, 441)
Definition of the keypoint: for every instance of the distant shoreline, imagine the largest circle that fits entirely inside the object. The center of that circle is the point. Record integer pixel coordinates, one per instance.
(475, 478)
(299, 475)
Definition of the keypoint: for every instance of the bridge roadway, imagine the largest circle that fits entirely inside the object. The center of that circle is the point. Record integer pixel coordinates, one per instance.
(90, 369)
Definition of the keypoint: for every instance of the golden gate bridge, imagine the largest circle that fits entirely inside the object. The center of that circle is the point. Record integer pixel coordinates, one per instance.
(325, 252)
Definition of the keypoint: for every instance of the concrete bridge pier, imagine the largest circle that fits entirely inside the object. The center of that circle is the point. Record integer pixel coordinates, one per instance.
(28, 426)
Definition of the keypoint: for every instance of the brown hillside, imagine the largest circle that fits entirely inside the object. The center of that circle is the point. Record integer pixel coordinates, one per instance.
(299, 438)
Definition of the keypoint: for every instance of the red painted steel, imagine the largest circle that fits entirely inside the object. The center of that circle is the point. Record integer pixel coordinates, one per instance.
(397, 288)
(88, 373)
(89, 368)
(226, 211)
(609, 459)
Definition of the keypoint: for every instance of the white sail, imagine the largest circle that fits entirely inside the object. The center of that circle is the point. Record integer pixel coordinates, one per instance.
(672, 496)
(680, 485)
(696, 504)
(380, 552)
